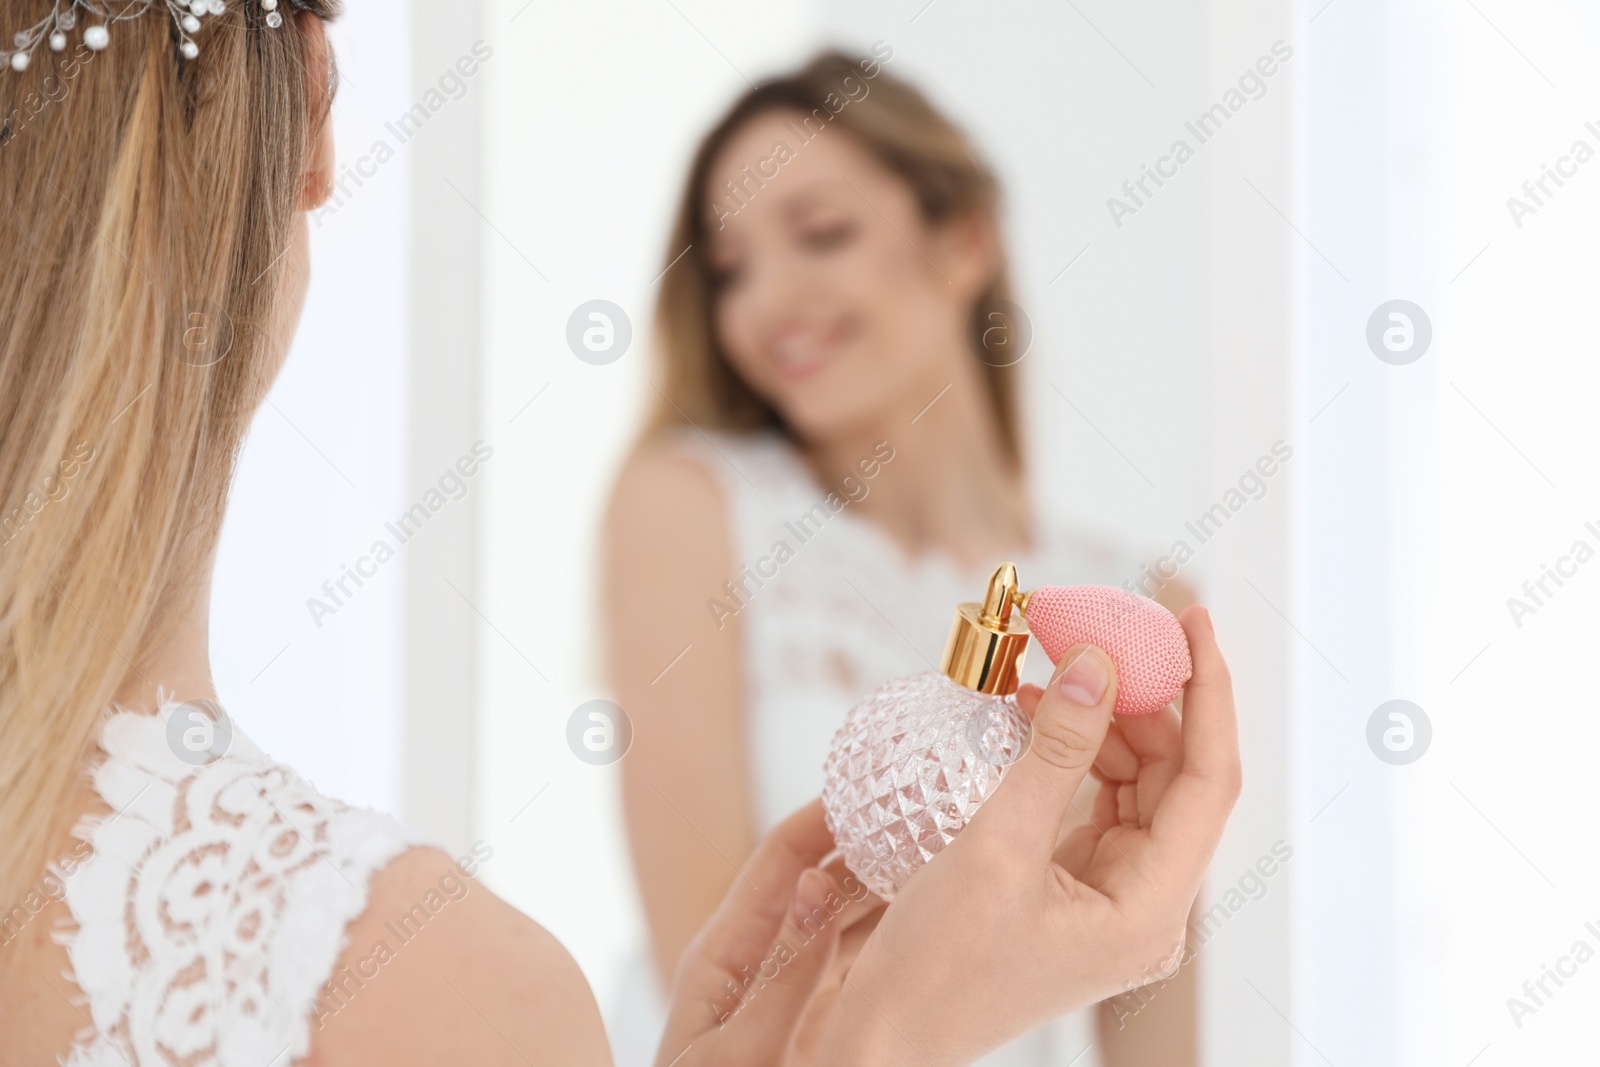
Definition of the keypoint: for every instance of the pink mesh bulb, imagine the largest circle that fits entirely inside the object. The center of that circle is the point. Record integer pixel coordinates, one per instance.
(1142, 638)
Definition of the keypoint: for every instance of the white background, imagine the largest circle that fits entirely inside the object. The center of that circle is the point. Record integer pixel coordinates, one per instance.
(323, 469)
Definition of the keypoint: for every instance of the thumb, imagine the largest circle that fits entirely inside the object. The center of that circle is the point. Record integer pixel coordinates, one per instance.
(1068, 726)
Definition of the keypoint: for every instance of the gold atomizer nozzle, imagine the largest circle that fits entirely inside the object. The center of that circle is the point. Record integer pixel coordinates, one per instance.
(988, 639)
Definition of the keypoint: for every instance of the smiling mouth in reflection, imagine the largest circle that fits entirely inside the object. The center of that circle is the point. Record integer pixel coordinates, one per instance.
(799, 351)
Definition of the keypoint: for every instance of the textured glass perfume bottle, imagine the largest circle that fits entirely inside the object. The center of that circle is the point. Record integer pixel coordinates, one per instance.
(915, 759)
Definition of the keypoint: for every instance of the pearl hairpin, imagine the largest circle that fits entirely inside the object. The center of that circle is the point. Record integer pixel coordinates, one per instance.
(64, 16)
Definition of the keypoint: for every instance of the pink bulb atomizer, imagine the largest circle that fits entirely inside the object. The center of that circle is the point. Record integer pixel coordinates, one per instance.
(917, 757)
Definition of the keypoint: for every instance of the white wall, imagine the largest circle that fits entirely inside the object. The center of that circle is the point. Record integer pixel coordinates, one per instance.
(1347, 589)
(324, 467)
(1436, 889)
(1496, 872)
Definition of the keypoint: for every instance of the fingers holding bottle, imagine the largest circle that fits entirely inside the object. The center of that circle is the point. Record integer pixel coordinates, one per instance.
(1070, 718)
(1190, 818)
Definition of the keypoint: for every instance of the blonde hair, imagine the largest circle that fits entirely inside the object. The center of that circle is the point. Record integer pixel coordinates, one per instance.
(142, 190)
(904, 132)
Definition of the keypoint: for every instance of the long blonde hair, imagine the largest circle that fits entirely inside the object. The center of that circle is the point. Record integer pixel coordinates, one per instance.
(905, 133)
(149, 202)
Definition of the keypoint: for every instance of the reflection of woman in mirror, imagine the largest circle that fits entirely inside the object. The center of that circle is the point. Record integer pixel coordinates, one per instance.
(833, 463)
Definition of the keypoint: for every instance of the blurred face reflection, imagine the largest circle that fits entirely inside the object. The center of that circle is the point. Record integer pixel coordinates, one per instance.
(835, 301)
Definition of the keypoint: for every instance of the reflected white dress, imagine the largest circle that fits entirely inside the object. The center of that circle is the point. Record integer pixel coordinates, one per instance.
(213, 903)
(848, 611)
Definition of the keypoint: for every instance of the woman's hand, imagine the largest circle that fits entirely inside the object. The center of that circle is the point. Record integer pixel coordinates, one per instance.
(758, 985)
(1013, 924)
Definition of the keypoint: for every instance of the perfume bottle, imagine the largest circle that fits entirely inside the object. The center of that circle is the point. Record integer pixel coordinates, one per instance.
(915, 759)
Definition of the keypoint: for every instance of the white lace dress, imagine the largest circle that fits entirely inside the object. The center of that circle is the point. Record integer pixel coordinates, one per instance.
(213, 905)
(845, 611)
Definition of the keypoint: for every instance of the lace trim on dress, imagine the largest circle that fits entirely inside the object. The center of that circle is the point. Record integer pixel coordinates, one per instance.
(214, 904)
(765, 481)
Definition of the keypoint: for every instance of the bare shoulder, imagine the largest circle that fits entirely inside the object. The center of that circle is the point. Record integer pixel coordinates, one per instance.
(438, 969)
(663, 489)
(667, 533)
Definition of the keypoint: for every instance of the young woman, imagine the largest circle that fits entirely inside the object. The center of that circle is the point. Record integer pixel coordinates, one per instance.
(836, 319)
(167, 901)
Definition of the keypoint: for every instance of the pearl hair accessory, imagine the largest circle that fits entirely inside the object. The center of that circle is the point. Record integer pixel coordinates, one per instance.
(101, 15)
